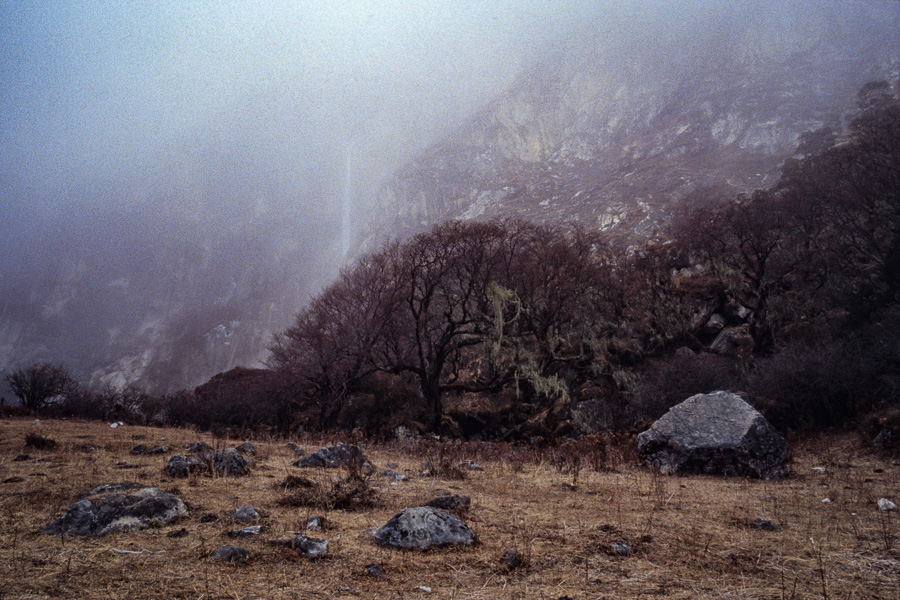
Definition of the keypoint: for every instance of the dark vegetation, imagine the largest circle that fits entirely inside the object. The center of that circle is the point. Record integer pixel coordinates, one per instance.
(509, 329)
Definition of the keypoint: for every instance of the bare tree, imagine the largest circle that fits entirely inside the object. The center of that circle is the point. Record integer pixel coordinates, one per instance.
(40, 384)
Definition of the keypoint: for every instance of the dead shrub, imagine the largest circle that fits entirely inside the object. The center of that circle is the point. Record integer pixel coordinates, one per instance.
(344, 493)
(39, 442)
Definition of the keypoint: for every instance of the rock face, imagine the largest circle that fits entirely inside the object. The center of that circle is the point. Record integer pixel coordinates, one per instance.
(716, 433)
(334, 457)
(100, 514)
(424, 527)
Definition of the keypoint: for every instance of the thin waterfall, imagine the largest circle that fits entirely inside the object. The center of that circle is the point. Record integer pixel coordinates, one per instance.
(347, 201)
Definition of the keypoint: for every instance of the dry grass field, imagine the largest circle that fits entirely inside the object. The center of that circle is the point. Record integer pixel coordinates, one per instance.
(691, 536)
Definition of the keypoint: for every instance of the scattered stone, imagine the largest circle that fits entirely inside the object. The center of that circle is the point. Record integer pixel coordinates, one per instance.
(245, 513)
(716, 433)
(178, 533)
(199, 447)
(22, 457)
(334, 457)
(818, 470)
(390, 474)
(764, 525)
(826, 500)
(159, 450)
(424, 588)
(424, 527)
(116, 425)
(14, 480)
(391, 465)
(374, 570)
(512, 560)
(253, 530)
(309, 546)
(139, 449)
(88, 448)
(715, 324)
(138, 436)
(315, 523)
(124, 464)
(231, 554)
(472, 466)
(886, 505)
(182, 466)
(221, 462)
(620, 549)
(455, 503)
(247, 448)
(102, 514)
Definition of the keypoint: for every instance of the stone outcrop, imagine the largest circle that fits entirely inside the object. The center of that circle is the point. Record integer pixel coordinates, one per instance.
(102, 512)
(424, 527)
(716, 433)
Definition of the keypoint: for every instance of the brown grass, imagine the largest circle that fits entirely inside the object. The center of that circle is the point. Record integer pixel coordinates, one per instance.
(691, 536)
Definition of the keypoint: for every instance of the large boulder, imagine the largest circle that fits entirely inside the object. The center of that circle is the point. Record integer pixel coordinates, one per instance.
(334, 457)
(221, 462)
(716, 433)
(424, 527)
(99, 514)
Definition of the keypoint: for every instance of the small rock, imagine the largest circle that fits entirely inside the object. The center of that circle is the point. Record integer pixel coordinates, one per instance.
(159, 450)
(178, 533)
(247, 448)
(309, 546)
(620, 549)
(886, 505)
(232, 554)
(22, 457)
(253, 530)
(315, 523)
(424, 588)
(394, 475)
(198, 447)
(826, 500)
(455, 503)
(88, 448)
(513, 560)
(334, 457)
(391, 465)
(764, 525)
(245, 513)
(208, 518)
(138, 436)
(139, 449)
(819, 470)
(375, 570)
(471, 466)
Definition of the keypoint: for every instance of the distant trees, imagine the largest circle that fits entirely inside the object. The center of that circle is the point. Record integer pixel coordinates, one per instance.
(39, 384)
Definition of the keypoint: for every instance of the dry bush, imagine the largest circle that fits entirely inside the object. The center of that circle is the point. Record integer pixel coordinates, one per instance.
(351, 492)
(39, 442)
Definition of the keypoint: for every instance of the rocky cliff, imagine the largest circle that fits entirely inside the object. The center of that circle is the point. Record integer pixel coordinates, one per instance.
(611, 134)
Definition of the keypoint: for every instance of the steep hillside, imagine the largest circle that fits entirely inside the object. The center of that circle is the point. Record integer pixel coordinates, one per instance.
(612, 134)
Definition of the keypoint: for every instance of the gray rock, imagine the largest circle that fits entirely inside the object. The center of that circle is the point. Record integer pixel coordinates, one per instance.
(245, 513)
(455, 503)
(182, 466)
(513, 560)
(715, 324)
(199, 447)
(715, 433)
(886, 505)
(232, 554)
(251, 531)
(315, 523)
(159, 450)
(334, 457)
(390, 474)
(102, 514)
(620, 549)
(221, 462)
(247, 448)
(424, 527)
(139, 449)
(309, 546)
(733, 341)
(764, 524)
(375, 570)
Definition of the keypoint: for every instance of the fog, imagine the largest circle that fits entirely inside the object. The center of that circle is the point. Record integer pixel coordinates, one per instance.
(171, 168)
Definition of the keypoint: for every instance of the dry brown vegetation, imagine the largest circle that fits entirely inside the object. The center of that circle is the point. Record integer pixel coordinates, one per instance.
(691, 536)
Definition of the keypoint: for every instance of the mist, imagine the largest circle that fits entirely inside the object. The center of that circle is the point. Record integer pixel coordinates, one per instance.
(171, 173)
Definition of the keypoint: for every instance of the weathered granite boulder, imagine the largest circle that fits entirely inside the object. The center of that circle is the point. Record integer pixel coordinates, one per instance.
(424, 527)
(334, 457)
(102, 513)
(247, 448)
(716, 433)
(180, 465)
